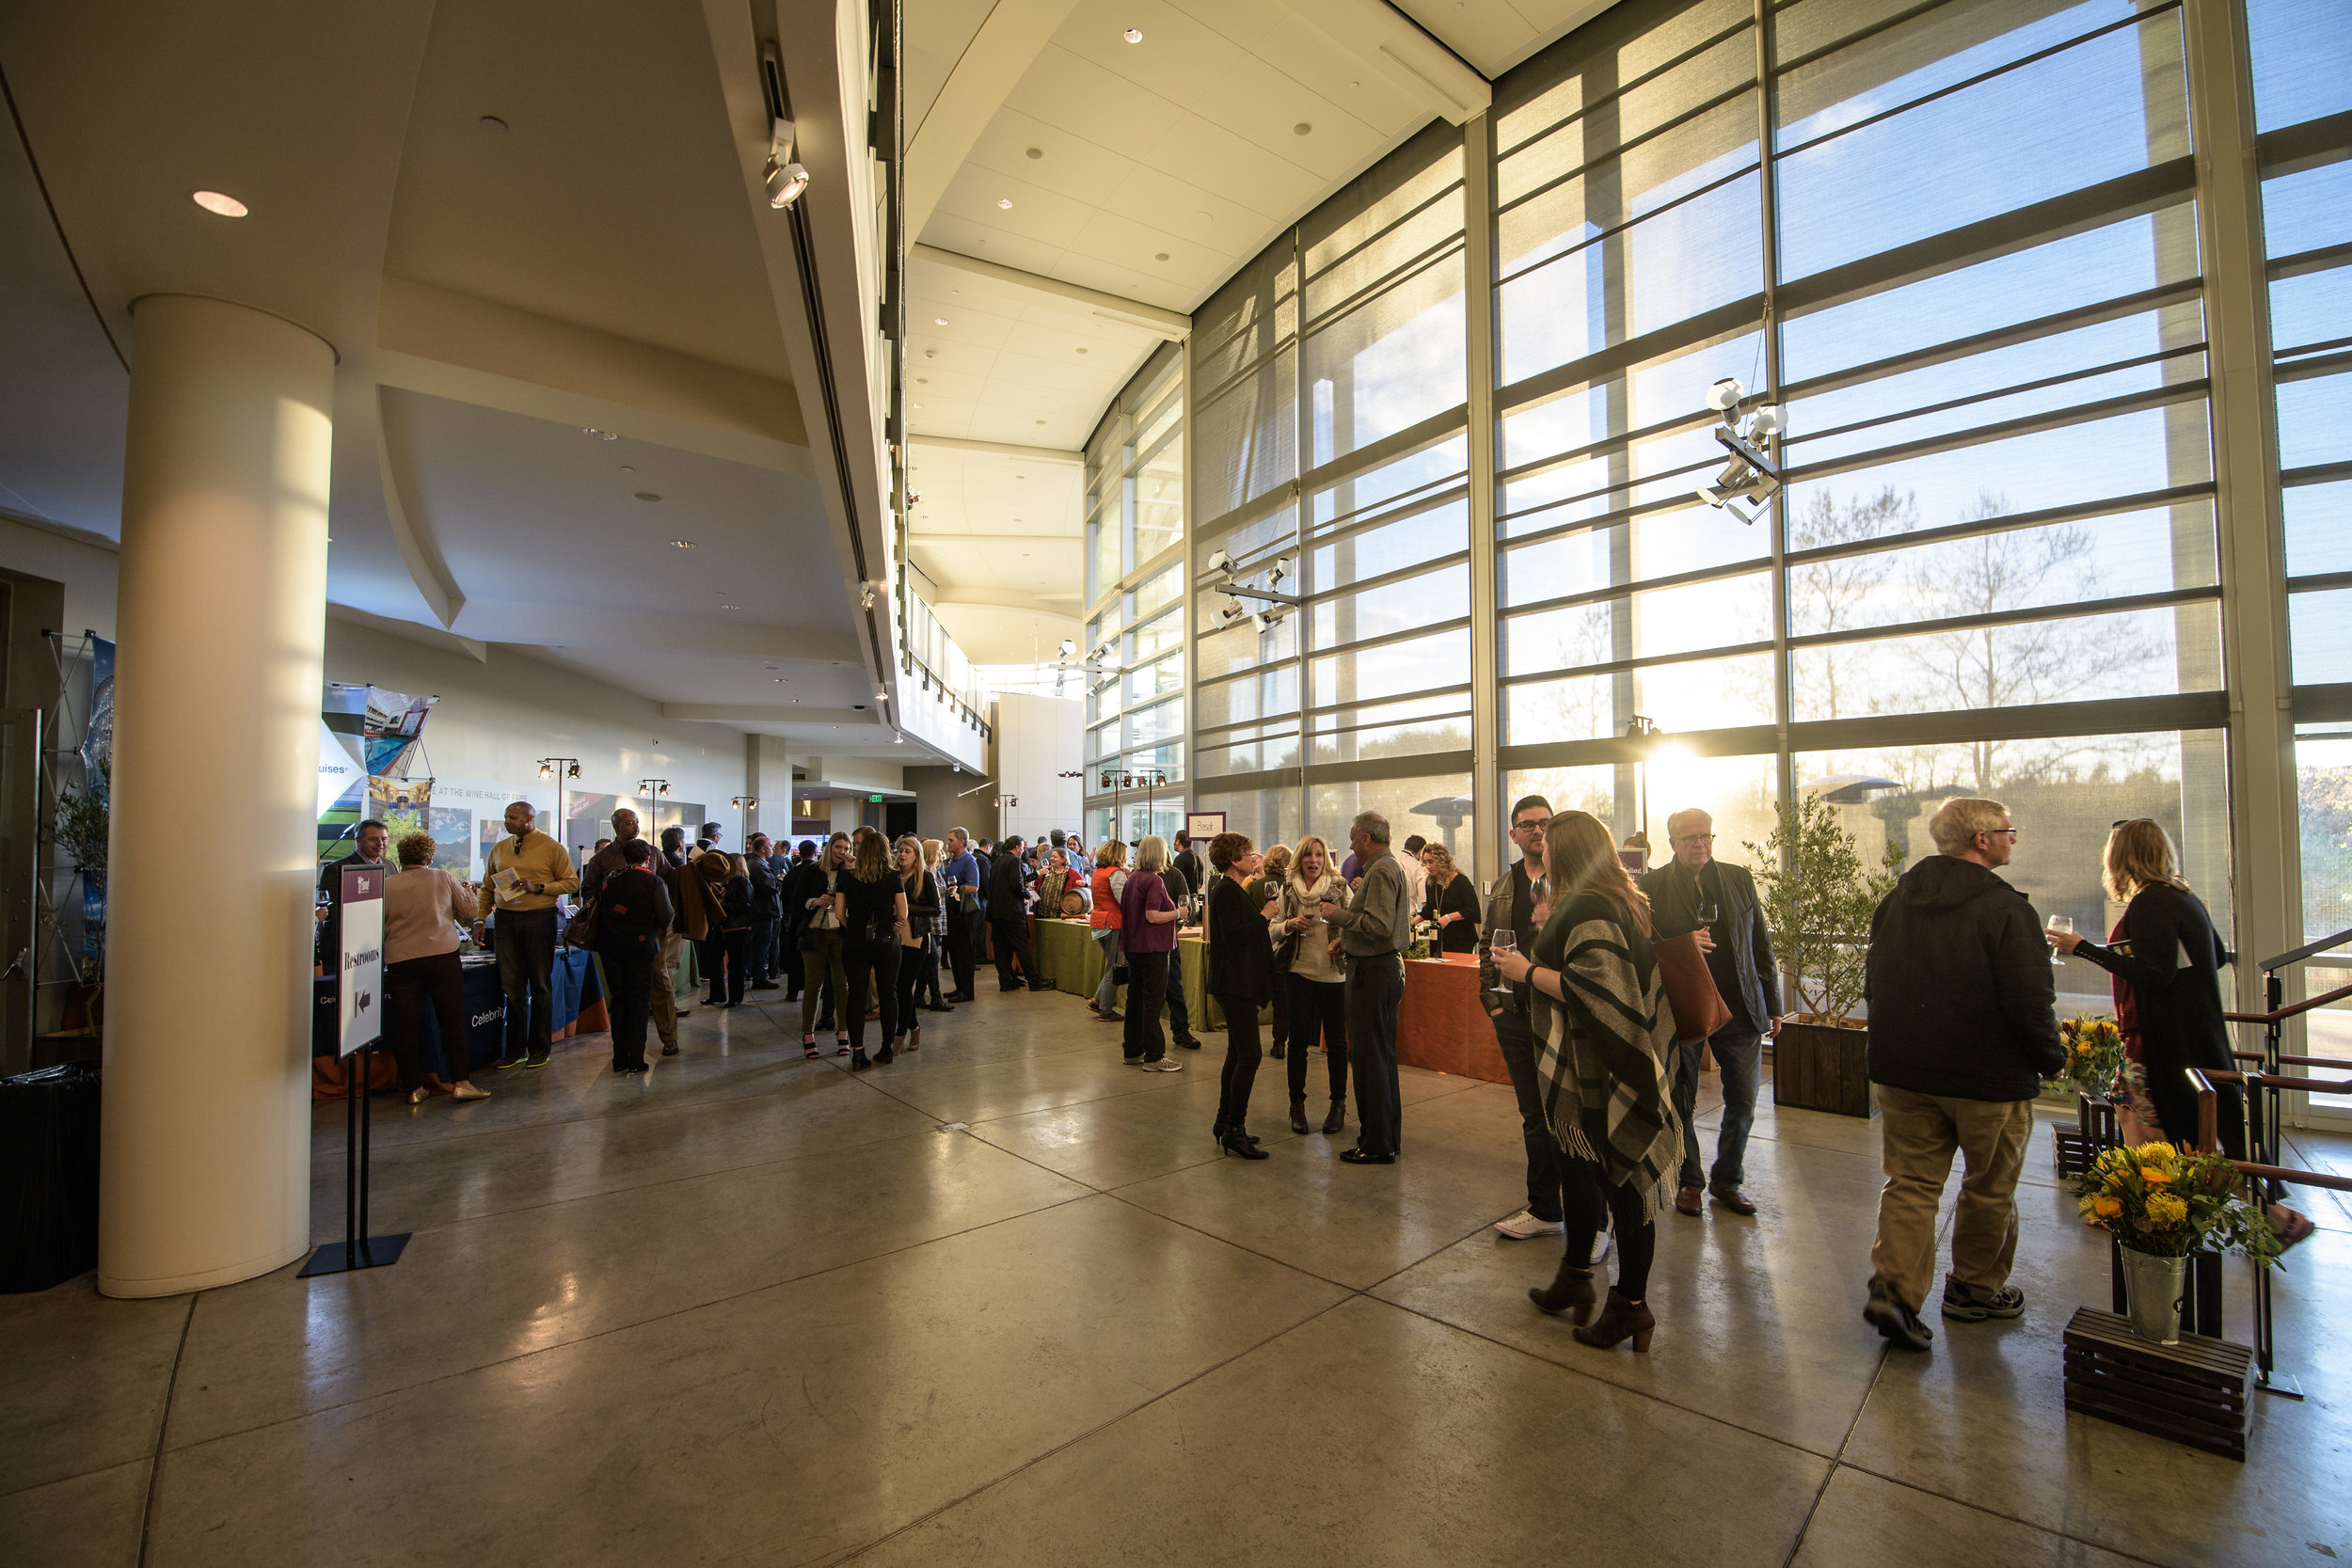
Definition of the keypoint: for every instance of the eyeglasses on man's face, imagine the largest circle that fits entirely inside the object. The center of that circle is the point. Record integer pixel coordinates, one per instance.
(2009, 834)
(1692, 838)
(1530, 824)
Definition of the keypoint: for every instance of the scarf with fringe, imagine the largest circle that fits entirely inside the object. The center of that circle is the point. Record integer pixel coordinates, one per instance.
(1604, 1062)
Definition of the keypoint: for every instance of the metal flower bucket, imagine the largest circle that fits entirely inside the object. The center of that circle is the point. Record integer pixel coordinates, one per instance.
(2153, 1290)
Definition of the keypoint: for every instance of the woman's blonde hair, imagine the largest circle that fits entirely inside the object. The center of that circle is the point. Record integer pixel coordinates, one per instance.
(1278, 858)
(2141, 855)
(1581, 856)
(1151, 853)
(931, 848)
(1110, 853)
(1444, 857)
(1298, 858)
(873, 858)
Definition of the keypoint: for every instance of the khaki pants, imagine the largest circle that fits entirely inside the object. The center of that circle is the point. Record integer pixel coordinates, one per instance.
(665, 987)
(1918, 1133)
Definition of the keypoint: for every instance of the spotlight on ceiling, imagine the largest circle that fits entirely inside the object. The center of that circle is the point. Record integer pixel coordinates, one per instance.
(786, 178)
(1753, 474)
(547, 771)
(866, 594)
(212, 201)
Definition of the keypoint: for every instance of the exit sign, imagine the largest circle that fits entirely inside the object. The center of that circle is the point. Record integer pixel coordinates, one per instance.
(875, 799)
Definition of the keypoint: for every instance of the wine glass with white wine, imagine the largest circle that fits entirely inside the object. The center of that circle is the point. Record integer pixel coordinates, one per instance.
(1504, 939)
(2058, 924)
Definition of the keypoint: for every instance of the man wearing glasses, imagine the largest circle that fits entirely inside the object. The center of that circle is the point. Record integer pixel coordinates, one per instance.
(1695, 892)
(1518, 904)
(1964, 1028)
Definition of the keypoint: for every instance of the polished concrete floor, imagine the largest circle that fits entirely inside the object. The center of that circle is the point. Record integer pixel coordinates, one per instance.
(1000, 1302)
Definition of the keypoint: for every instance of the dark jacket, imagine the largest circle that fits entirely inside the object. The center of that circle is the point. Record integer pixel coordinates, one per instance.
(633, 912)
(2171, 956)
(1195, 869)
(766, 897)
(1241, 960)
(328, 946)
(1958, 984)
(1008, 881)
(1743, 964)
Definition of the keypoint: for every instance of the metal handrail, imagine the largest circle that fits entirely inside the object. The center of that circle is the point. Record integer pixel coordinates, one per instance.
(2261, 1119)
(2292, 1009)
(2297, 1061)
(2309, 949)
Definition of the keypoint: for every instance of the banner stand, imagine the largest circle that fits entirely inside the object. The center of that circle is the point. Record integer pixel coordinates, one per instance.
(359, 994)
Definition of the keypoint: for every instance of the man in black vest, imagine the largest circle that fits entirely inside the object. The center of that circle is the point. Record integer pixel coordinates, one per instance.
(1009, 919)
(1695, 892)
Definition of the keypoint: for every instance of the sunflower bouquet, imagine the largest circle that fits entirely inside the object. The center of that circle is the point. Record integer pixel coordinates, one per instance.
(2094, 1055)
(2169, 1203)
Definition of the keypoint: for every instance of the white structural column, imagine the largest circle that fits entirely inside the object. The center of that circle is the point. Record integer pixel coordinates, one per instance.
(205, 1171)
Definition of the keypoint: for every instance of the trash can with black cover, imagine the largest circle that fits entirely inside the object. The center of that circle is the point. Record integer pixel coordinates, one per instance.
(48, 1175)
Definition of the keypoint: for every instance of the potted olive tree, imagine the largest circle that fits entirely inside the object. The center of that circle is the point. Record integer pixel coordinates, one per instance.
(1818, 893)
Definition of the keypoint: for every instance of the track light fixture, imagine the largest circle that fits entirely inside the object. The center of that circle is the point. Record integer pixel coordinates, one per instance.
(786, 178)
(548, 765)
(652, 788)
(1752, 475)
(1272, 604)
(866, 594)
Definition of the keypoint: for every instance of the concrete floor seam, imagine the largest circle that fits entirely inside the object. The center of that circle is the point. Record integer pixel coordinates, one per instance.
(2105, 1546)
(1095, 1430)
(687, 1310)
(163, 1429)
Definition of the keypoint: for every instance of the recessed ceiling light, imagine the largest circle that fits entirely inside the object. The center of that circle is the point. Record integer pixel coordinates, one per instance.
(628, 467)
(1004, 201)
(1355, 84)
(1037, 152)
(683, 544)
(1082, 350)
(648, 496)
(1302, 129)
(212, 201)
(1041, 422)
(939, 321)
(1134, 35)
(492, 123)
(922, 381)
(730, 607)
(599, 434)
(1159, 256)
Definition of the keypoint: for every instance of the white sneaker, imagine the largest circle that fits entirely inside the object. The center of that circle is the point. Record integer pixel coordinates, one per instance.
(1600, 1249)
(467, 1091)
(1523, 1224)
(1166, 1064)
(418, 1095)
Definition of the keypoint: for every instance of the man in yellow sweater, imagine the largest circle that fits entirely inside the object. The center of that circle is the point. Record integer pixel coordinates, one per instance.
(524, 872)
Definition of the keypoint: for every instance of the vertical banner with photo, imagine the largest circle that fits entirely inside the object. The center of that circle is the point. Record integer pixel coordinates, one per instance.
(359, 975)
(366, 737)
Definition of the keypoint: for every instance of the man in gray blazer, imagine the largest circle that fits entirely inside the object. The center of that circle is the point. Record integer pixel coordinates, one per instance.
(1739, 956)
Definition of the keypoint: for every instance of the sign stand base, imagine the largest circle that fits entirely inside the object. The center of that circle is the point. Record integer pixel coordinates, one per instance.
(336, 1256)
(357, 1249)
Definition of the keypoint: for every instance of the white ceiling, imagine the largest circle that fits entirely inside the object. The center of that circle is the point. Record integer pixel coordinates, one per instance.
(1148, 171)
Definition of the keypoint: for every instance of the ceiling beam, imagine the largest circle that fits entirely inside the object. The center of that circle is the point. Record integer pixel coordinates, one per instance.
(922, 541)
(555, 626)
(476, 351)
(1376, 33)
(1172, 325)
(999, 55)
(1000, 449)
(1001, 599)
(767, 713)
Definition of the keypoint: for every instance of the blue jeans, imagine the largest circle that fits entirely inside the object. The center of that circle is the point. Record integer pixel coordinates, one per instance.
(1106, 994)
(1516, 1035)
(1179, 1010)
(1740, 1056)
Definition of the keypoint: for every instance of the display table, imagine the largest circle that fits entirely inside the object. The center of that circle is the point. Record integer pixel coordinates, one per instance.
(1442, 1025)
(575, 983)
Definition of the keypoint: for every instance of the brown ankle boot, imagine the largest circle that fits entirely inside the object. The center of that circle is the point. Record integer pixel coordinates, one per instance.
(1620, 1320)
(1338, 1118)
(1570, 1292)
(1298, 1115)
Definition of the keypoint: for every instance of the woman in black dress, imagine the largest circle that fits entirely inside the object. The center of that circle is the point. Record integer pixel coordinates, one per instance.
(1452, 902)
(871, 902)
(2164, 960)
(923, 904)
(1240, 978)
(632, 910)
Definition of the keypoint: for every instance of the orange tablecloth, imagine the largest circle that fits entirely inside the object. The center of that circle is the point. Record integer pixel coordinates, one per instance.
(1440, 1025)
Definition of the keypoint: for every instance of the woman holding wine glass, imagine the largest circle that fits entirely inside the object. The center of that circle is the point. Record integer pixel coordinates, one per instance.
(1318, 993)
(2163, 960)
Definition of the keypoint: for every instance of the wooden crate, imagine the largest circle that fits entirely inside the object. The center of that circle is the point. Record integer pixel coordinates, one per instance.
(2193, 1393)
(1820, 1067)
(2073, 1149)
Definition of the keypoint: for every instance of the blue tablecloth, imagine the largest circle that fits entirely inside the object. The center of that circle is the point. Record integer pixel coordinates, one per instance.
(575, 984)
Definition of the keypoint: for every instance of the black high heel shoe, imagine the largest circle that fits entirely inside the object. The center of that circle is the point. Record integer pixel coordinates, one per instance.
(1238, 1141)
(1216, 1135)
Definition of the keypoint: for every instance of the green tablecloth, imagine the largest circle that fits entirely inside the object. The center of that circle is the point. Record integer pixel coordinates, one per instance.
(1068, 955)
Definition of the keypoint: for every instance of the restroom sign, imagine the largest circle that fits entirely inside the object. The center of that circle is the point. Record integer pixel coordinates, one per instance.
(359, 978)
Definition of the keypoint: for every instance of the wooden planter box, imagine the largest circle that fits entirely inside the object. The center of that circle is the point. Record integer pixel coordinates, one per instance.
(1823, 1067)
(2192, 1393)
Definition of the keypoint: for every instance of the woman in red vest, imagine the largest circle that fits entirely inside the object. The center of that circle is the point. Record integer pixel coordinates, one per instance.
(1109, 882)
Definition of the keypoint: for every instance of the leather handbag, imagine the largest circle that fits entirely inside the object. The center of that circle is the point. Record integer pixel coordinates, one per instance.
(1698, 1007)
(580, 930)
